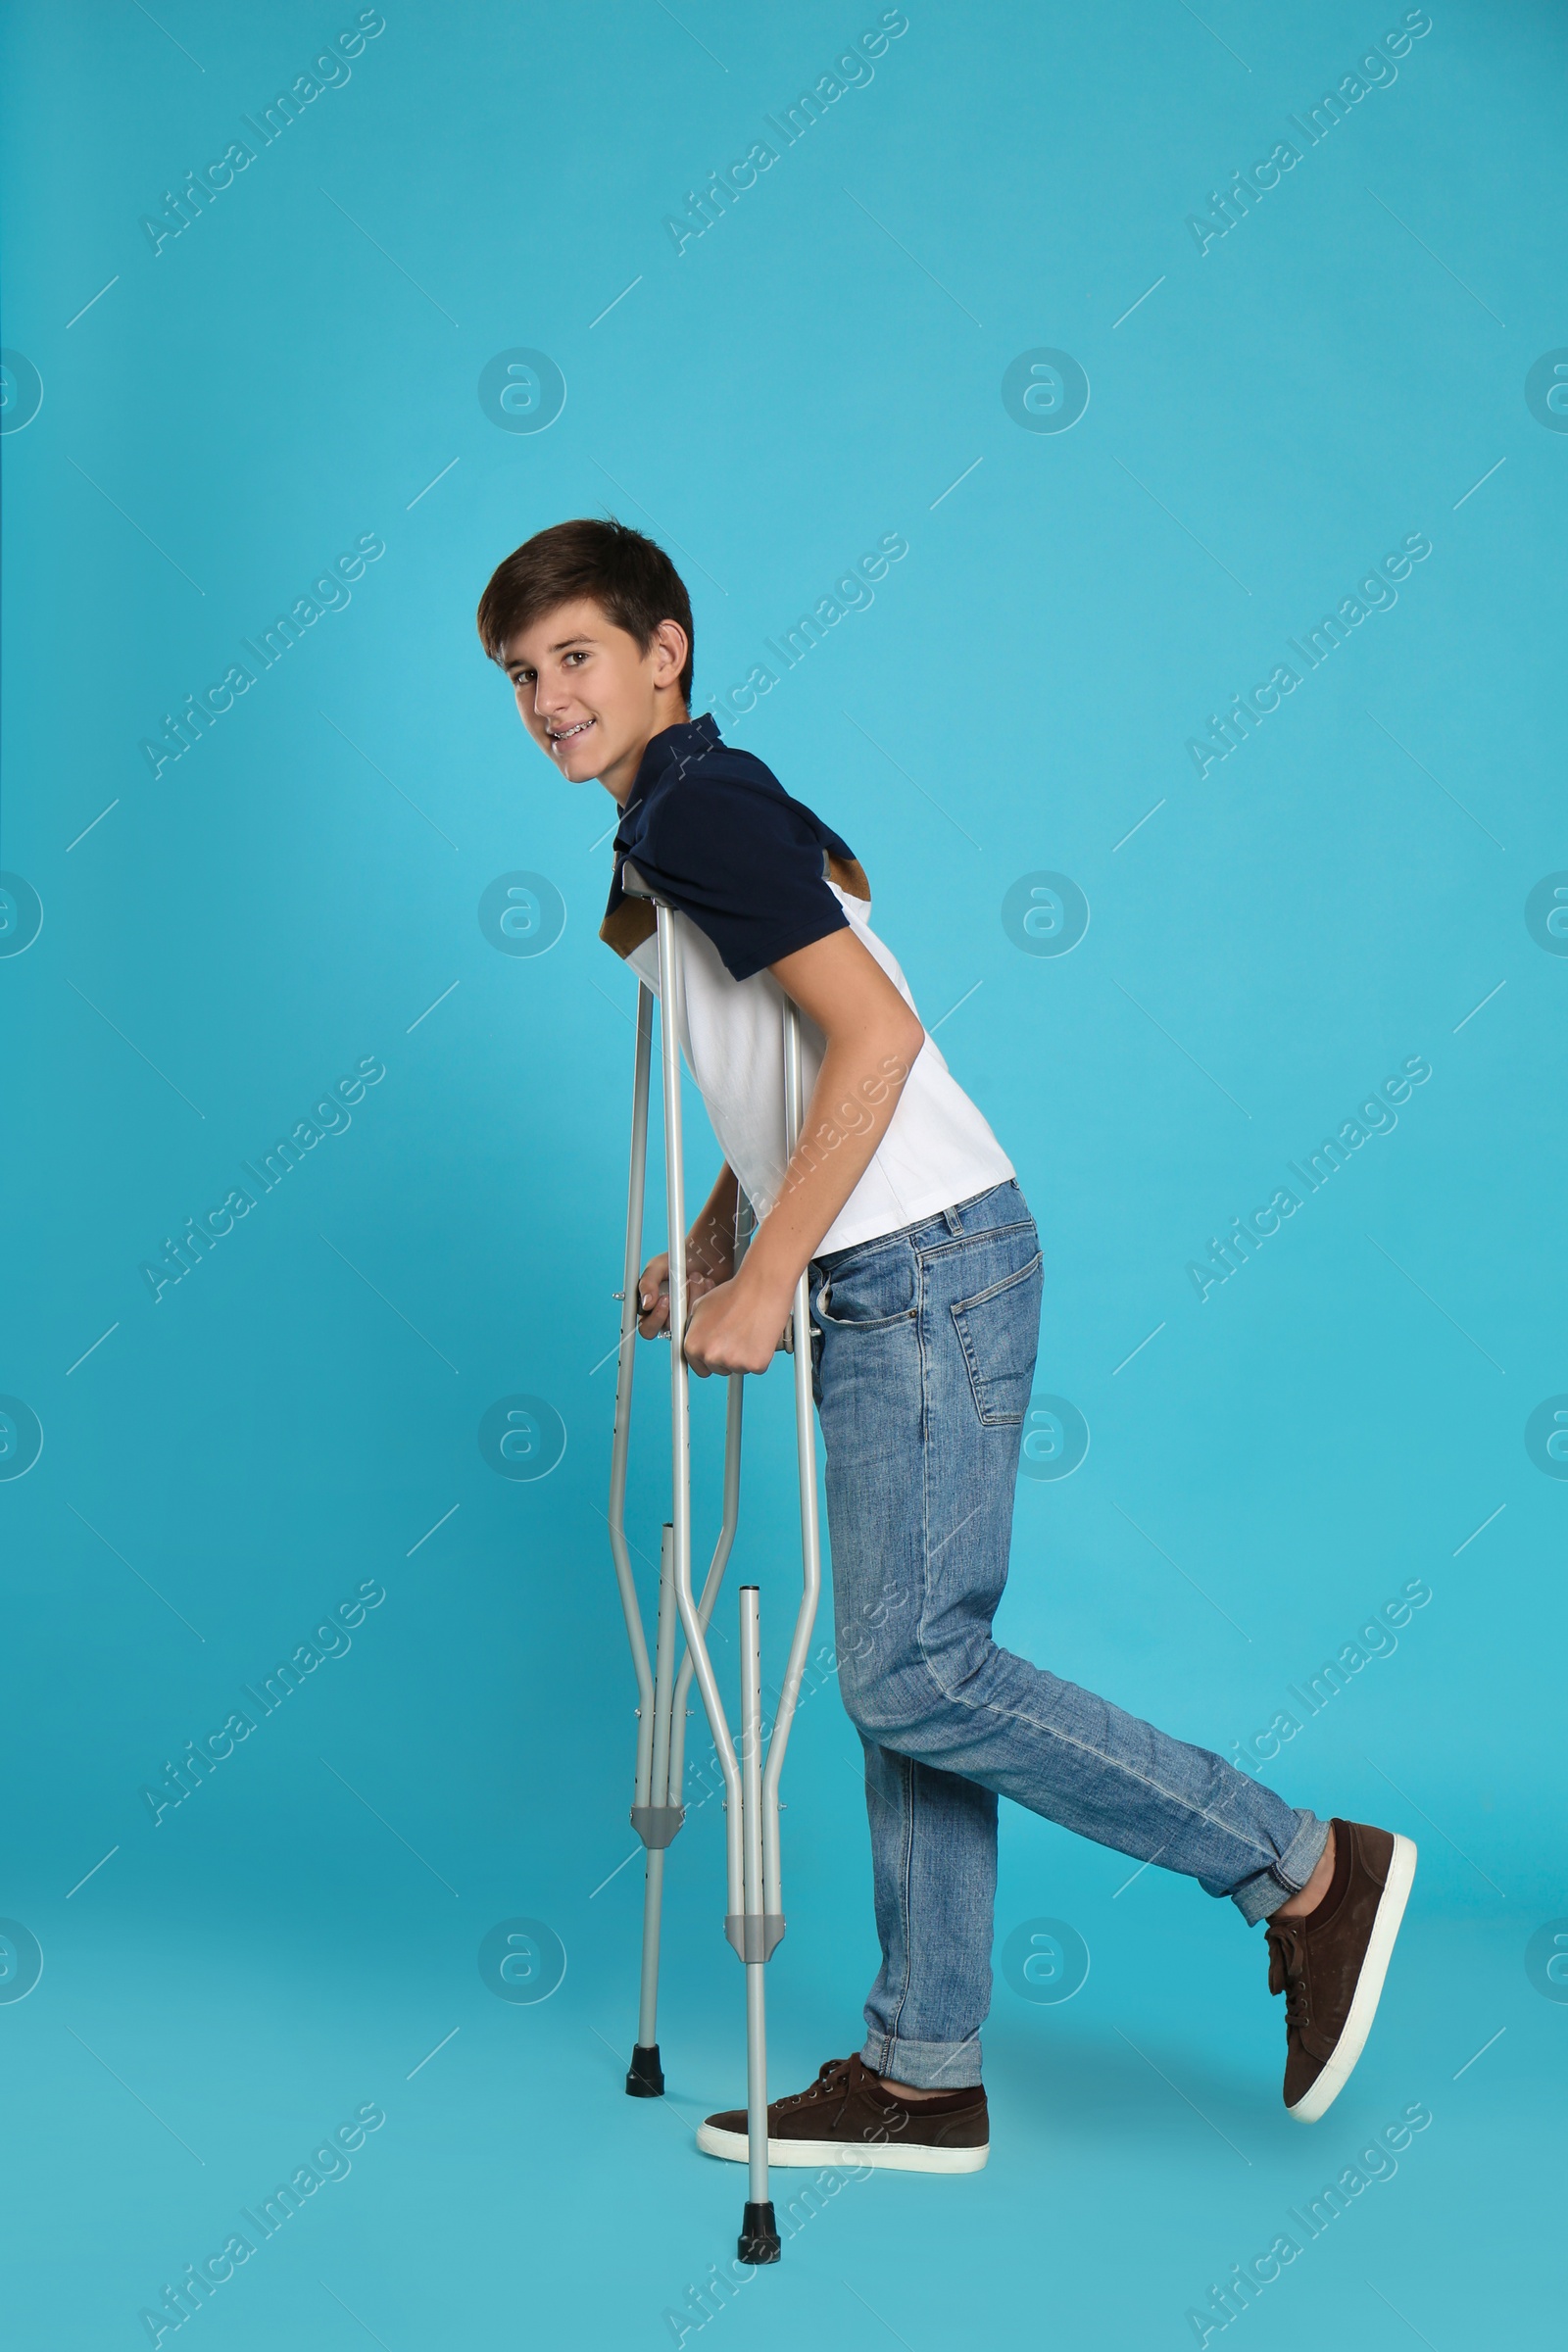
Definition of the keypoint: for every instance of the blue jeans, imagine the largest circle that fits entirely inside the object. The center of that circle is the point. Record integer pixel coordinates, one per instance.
(923, 1355)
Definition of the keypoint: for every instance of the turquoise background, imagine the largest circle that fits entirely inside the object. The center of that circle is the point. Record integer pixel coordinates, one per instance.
(299, 370)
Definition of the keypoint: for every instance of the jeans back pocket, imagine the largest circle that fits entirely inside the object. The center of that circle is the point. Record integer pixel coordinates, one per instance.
(999, 1331)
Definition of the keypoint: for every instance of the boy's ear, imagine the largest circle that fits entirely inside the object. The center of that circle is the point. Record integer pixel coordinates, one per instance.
(675, 645)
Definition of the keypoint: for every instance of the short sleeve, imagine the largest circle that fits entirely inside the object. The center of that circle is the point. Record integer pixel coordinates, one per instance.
(747, 866)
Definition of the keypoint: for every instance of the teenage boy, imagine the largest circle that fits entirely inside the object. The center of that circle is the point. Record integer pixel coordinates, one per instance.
(925, 1286)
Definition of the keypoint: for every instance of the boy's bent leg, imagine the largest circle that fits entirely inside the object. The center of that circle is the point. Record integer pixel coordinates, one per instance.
(925, 1359)
(923, 1363)
(934, 1874)
(922, 1677)
(1088, 1765)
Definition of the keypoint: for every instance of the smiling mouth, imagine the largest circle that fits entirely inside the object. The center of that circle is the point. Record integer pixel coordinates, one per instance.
(560, 737)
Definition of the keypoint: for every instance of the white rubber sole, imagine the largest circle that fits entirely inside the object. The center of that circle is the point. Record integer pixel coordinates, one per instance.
(1368, 1986)
(845, 2153)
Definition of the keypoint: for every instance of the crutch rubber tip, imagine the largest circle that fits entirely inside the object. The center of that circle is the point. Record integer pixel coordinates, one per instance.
(644, 2076)
(758, 2239)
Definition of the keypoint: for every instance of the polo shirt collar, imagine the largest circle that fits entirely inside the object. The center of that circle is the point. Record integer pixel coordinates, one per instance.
(670, 751)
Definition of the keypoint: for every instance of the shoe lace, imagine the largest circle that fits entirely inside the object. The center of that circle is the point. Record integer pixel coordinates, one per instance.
(831, 2080)
(1286, 1973)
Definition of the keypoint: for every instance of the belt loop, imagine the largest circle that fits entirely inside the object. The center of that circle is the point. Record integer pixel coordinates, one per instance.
(955, 1220)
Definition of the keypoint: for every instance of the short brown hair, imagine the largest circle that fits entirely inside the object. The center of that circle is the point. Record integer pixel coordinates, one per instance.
(627, 575)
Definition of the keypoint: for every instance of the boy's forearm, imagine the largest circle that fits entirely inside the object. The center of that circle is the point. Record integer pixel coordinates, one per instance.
(711, 1241)
(851, 1108)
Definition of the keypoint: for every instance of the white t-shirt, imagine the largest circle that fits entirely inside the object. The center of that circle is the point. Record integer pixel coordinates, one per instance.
(937, 1148)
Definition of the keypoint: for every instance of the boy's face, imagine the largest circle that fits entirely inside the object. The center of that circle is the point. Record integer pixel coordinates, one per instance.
(589, 695)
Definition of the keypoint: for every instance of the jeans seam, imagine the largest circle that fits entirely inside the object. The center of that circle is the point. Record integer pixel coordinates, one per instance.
(1106, 1763)
(906, 1878)
(926, 1544)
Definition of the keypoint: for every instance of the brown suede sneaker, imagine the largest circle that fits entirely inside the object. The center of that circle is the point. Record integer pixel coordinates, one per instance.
(845, 2117)
(1330, 1963)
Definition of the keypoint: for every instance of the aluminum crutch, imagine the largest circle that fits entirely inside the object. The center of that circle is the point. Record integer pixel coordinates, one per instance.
(755, 1911)
(658, 1810)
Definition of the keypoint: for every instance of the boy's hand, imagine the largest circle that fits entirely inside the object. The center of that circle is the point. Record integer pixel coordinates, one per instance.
(707, 1263)
(735, 1327)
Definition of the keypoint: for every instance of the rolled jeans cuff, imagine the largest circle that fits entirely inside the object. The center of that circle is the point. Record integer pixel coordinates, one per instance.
(924, 2064)
(1260, 1895)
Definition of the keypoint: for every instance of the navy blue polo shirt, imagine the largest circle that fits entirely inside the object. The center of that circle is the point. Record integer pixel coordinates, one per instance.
(714, 831)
